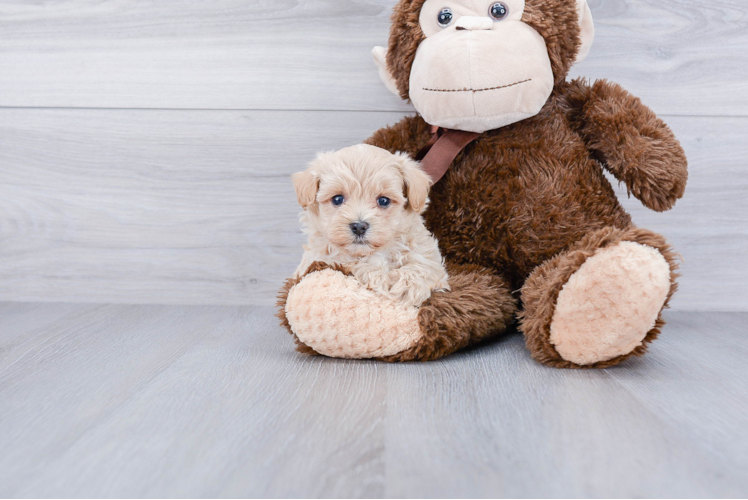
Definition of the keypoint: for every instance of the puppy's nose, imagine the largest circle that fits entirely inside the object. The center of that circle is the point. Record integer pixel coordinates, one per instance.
(359, 228)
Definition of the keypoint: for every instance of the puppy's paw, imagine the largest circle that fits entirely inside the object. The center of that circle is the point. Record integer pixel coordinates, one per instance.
(410, 293)
(376, 281)
(443, 286)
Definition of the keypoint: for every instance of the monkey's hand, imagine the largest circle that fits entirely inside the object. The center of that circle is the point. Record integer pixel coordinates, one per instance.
(626, 136)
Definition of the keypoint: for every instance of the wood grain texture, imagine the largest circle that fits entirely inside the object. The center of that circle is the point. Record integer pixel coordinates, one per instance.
(172, 401)
(681, 58)
(145, 207)
(189, 207)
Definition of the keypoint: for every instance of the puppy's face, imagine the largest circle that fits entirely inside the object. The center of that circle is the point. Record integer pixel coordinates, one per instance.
(361, 198)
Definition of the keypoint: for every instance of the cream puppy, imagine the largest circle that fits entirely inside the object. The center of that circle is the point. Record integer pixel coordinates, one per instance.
(362, 209)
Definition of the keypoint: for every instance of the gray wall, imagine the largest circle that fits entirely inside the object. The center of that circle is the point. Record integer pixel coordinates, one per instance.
(145, 147)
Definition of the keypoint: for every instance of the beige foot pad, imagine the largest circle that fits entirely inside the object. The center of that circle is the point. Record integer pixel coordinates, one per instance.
(609, 305)
(337, 317)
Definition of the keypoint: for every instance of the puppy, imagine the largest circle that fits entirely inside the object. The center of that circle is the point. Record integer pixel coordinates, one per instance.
(362, 208)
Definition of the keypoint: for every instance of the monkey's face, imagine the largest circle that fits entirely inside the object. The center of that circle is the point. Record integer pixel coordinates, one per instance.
(480, 67)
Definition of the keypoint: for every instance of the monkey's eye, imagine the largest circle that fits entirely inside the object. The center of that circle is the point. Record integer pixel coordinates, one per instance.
(445, 17)
(383, 201)
(338, 200)
(498, 11)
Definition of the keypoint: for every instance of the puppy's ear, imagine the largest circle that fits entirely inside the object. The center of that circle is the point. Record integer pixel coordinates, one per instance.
(416, 183)
(306, 185)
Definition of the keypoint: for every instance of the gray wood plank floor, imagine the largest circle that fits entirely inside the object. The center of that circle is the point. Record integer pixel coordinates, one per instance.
(144, 401)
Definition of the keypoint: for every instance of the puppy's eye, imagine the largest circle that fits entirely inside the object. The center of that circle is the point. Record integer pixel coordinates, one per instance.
(445, 17)
(338, 200)
(383, 201)
(498, 11)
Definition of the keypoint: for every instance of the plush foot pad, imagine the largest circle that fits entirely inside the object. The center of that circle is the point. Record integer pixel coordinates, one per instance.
(609, 305)
(337, 317)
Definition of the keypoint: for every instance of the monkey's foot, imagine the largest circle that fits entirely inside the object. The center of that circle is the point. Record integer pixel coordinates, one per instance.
(336, 316)
(331, 313)
(598, 304)
(607, 307)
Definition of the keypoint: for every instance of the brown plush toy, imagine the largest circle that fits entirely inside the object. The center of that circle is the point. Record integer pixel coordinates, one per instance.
(529, 225)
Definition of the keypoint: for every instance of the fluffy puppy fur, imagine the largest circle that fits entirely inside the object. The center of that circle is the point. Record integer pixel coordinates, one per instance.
(362, 209)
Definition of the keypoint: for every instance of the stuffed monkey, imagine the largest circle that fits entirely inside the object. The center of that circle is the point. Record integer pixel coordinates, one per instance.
(531, 229)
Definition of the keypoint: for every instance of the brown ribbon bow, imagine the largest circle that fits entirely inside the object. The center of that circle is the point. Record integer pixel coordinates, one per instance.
(444, 146)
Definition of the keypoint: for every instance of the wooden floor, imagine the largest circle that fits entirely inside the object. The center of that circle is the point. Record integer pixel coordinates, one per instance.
(212, 401)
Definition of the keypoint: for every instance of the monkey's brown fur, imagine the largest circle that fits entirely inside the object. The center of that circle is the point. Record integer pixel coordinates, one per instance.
(542, 288)
(527, 204)
(479, 304)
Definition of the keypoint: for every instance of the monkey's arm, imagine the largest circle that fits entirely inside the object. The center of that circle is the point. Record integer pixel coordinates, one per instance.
(626, 136)
(408, 135)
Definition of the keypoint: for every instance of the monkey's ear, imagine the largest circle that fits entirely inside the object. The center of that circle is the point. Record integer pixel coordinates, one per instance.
(416, 183)
(587, 32)
(306, 185)
(380, 57)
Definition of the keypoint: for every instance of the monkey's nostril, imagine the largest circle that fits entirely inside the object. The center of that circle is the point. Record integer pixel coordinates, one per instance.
(474, 23)
(359, 228)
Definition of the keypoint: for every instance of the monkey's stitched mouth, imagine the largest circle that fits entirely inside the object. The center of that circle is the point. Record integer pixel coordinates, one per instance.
(479, 90)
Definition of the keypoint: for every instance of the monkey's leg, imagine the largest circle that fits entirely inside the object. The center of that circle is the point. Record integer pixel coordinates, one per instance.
(601, 301)
(331, 313)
